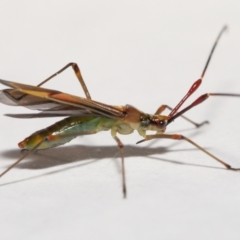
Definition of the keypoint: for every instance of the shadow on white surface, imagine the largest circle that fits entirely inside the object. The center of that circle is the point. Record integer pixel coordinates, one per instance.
(85, 155)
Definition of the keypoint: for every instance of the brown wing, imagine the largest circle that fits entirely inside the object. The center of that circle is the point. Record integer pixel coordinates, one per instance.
(52, 100)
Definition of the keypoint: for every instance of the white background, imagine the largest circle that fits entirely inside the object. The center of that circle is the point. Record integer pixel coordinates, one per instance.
(144, 53)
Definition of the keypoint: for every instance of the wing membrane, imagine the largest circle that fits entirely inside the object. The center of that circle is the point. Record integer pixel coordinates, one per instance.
(38, 98)
(14, 97)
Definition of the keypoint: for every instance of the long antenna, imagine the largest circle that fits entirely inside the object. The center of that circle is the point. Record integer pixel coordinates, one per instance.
(198, 82)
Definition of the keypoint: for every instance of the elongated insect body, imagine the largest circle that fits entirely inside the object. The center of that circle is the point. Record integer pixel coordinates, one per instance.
(86, 116)
(69, 128)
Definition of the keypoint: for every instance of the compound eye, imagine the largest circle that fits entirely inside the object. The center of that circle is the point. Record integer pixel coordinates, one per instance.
(162, 123)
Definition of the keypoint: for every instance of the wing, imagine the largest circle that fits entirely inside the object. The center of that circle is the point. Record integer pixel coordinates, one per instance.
(14, 97)
(50, 100)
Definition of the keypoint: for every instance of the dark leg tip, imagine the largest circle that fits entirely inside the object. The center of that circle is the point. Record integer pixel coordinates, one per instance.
(140, 141)
(200, 124)
(234, 169)
(24, 150)
(124, 194)
(231, 168)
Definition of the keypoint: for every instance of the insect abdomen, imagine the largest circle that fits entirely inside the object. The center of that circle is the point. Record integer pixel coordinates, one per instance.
(71, 127)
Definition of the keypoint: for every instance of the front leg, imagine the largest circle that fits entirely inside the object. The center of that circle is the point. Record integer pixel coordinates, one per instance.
(181, 137)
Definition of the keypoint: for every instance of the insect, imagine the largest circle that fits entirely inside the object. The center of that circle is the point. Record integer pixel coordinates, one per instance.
(87, 116)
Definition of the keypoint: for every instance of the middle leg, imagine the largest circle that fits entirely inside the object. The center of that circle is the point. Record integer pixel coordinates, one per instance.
(120, 146)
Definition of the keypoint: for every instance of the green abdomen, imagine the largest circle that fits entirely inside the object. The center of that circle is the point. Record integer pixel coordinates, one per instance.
(69, 127)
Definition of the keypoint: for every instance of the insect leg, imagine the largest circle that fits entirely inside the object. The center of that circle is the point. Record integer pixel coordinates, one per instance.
(120, 146)
(21, 158)
(163, 107)
(77, 73)
(46, 139)
(181, 137)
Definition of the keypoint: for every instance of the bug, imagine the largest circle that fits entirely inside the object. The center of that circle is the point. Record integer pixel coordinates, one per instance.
(87, 116)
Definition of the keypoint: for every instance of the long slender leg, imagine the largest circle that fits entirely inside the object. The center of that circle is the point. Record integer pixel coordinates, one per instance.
(120, 146)
(46, 139)
(181, 137)
(78, 74)
(163, 107)
(21, 158)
